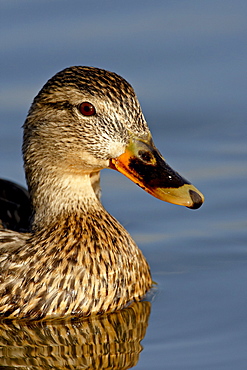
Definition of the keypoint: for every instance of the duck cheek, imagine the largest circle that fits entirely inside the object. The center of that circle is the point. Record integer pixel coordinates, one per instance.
(87, 162)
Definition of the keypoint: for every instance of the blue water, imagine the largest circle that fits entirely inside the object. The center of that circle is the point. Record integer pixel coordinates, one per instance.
(187, 63)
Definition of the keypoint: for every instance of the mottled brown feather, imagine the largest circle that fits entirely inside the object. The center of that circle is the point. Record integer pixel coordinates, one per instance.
(77, 259)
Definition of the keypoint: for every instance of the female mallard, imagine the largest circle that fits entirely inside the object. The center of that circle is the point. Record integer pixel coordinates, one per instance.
(78, 260)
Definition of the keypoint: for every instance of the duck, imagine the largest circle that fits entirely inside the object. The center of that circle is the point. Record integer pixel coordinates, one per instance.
(76, 259)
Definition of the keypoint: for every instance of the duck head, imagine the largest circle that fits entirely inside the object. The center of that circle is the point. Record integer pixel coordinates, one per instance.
(86, 119)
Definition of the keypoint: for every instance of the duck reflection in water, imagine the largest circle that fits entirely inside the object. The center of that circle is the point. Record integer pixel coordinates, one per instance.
(100, 342)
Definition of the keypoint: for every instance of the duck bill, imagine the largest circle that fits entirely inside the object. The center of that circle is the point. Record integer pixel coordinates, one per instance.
(143, 164)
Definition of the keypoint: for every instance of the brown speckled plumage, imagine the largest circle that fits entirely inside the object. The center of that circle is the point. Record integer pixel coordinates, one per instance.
(71, 268)
(77, 259)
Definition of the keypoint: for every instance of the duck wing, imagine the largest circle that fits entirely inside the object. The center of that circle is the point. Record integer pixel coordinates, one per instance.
(15, 206)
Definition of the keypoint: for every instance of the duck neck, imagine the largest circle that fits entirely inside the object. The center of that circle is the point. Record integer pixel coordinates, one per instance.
(59, 197)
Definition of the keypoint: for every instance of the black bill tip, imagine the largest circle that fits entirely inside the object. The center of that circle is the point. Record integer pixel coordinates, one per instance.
(196, 198)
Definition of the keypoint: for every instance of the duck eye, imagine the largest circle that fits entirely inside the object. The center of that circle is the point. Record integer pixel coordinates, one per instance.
(87, 109)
